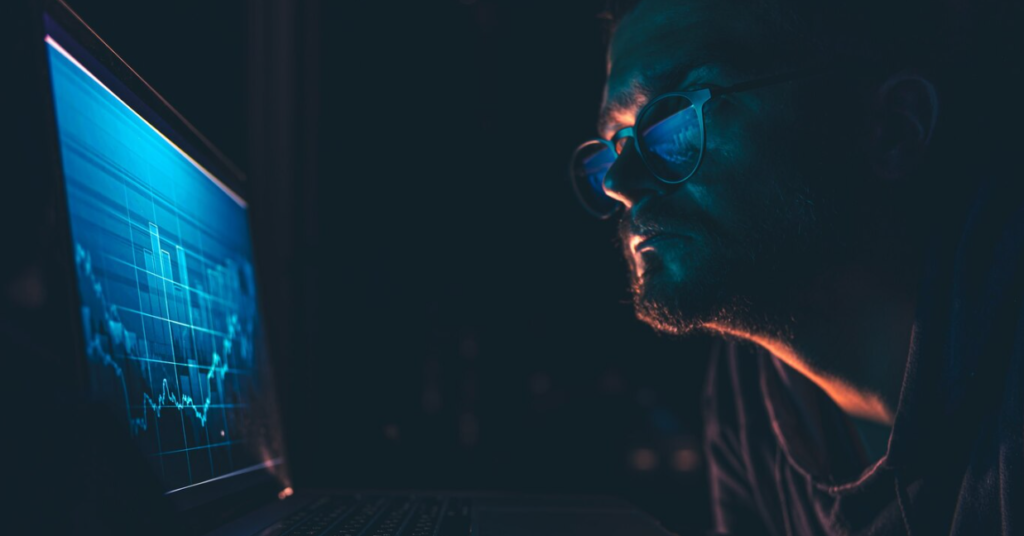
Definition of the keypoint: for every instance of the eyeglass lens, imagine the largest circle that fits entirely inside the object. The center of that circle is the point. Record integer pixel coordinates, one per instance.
(670, 138)
(670, 141)
(589, 166)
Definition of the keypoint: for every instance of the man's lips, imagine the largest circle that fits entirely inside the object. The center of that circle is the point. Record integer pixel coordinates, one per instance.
(642, 246)
(639, 243)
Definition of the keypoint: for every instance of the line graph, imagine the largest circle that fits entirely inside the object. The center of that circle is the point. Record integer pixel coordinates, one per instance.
(127, 342)
(163, 261)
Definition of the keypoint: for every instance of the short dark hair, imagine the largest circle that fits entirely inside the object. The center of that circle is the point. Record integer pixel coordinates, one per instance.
(872, 30)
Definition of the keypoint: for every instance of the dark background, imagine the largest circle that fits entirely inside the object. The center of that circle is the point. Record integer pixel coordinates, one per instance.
(443, 314)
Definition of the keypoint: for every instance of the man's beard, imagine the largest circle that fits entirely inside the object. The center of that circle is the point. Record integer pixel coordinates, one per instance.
(748, 283)
(708, 294)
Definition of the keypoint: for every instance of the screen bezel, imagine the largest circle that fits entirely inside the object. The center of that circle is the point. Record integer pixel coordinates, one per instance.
(215, 501)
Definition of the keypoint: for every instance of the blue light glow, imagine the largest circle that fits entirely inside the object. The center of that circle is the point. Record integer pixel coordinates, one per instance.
(164, 264)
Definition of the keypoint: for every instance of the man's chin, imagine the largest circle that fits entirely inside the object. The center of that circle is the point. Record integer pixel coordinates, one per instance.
(677, 309)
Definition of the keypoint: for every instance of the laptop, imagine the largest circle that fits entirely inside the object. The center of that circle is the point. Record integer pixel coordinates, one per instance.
(170, 334)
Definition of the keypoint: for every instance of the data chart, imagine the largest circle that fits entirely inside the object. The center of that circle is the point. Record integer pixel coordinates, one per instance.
(164, 267)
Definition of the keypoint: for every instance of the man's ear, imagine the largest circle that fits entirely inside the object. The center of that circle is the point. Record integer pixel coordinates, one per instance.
(904, 111)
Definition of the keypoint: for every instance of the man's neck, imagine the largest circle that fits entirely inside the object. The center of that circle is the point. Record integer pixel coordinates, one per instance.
(851, 339)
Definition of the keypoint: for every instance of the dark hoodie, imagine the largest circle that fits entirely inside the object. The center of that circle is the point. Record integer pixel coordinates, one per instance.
(785, 460)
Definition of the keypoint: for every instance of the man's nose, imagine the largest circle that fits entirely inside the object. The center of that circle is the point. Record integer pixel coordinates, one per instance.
(629, 180)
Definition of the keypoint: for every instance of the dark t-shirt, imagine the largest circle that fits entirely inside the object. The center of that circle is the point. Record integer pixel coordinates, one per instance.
(784, 459)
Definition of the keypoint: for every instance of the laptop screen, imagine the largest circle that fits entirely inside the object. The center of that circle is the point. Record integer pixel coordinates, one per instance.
(164, 267)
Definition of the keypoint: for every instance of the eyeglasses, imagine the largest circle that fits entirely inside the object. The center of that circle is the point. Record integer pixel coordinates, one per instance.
(669, 136)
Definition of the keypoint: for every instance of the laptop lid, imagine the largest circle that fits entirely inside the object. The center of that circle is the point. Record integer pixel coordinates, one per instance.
(172, 338)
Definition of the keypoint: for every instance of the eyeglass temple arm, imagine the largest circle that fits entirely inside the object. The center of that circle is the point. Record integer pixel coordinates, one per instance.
(770, 80)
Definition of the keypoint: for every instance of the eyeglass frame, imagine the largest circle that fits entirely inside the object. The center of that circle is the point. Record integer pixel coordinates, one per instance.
(698, 98)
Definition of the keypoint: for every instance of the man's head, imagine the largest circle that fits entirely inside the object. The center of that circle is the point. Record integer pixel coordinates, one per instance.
(799, 181)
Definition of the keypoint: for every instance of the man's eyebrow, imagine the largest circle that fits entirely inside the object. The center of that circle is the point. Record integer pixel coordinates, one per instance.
(649, 84)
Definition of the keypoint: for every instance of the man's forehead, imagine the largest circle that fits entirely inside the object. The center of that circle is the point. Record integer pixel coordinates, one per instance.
(657, 45)
(627, 93)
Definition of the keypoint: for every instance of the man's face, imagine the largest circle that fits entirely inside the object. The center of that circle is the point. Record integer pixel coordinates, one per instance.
(763, 215)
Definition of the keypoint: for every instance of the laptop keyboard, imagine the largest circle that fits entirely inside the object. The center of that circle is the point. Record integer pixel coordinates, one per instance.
(350, 515)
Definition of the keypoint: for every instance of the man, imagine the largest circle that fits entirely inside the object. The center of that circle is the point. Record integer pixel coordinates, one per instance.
(820, 184)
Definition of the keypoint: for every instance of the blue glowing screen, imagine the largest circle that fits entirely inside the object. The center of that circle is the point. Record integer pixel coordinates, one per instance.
(164, 269)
